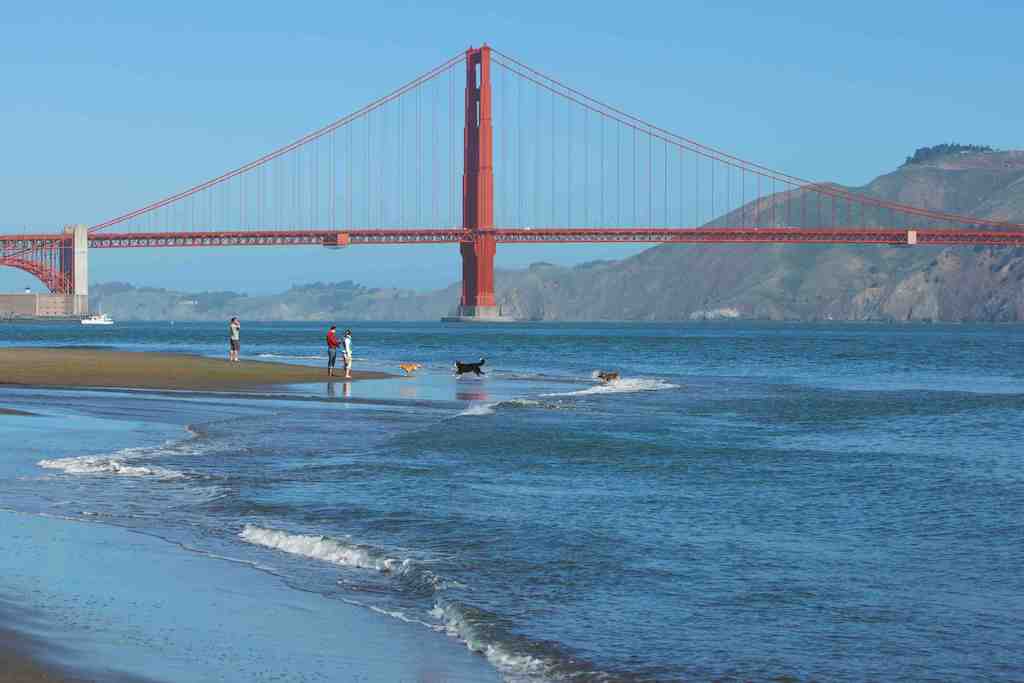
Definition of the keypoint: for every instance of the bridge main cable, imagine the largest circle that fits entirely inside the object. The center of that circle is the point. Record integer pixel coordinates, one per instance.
(561, 89)
(319, 133)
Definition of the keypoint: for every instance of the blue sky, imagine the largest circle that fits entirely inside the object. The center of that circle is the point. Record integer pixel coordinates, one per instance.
(107, 106)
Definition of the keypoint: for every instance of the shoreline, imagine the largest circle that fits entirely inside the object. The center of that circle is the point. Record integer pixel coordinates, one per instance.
(82, 600)
(23, 656)
(74, 367)
(15, 413)
(153, 607)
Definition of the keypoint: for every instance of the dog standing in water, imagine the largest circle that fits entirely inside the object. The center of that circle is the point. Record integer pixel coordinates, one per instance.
(409, 368)
(608, 376)
(462, 368)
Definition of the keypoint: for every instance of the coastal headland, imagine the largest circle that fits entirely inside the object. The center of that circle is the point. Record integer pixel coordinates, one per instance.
(83, 367)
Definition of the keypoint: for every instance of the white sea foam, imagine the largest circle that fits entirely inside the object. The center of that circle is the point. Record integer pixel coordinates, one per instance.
(321, 548)
(478, 409)
(91, 464)
(117, 463)
(626, 385)
(521, 403)
(284, 355)
(394, 614)
(514, 666)
(325, 549)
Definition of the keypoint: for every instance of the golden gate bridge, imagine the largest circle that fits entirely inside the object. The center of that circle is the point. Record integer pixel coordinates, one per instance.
(482, 150)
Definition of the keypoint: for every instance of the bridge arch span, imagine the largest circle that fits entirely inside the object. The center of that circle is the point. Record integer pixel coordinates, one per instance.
(51, 276)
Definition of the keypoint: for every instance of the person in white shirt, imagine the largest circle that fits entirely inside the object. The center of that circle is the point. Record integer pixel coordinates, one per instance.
(346, 353)
(234, 339)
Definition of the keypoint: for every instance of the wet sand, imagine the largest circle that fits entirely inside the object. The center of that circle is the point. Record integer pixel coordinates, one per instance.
(101, 603)
(75, 367)
(17, 667)
(16, 664)
(23, 658)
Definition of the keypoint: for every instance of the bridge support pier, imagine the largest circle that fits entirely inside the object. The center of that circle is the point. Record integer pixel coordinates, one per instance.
(478, 279)
(74, 264)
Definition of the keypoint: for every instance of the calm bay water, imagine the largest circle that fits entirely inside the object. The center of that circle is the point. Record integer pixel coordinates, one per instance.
(750, 501)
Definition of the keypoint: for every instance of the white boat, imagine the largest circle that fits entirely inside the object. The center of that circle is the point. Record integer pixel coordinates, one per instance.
(100, 319)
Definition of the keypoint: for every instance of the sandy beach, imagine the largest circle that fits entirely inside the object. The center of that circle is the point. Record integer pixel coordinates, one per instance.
(17, 662)
(83, 600)
(128, 608)
(23, 658)
(79, 367)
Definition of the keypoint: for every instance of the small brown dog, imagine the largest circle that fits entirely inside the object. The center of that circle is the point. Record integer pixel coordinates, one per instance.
(409, 368)
(607, 377)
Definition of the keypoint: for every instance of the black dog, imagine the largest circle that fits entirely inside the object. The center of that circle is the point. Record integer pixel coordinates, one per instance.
(462, 368)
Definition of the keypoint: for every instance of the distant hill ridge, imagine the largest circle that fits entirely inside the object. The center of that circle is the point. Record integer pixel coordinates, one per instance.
(695, 282)
(924, 154)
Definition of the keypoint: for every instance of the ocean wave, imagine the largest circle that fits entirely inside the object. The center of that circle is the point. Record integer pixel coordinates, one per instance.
(477, 409)
(91, 464)
(515, 666)
(625, 385)
(394, 614)
(293, 357)
(514, 376)
(522, 403)
(117, 463)
(344, 554)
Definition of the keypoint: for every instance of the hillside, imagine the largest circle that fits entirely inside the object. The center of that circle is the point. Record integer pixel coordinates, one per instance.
(319, 301)
(685, 282)
(679, 282)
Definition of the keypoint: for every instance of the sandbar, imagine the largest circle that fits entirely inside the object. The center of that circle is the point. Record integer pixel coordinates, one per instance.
(78, 367)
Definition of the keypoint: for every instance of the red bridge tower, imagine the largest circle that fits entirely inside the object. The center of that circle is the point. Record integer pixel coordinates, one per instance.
(478, 245)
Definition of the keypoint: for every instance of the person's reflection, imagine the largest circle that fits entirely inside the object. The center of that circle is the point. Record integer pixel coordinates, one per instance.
(332, 389)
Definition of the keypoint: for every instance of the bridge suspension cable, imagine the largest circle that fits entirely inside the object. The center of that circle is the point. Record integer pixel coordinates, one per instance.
(726, 190)
(564, 160)
(360, 161)
(566, 167)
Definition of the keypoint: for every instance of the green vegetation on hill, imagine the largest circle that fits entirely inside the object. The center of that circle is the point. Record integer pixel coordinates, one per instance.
(924, 154)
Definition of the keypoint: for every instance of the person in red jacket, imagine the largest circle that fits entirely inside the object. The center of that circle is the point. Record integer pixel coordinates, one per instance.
(332, 349)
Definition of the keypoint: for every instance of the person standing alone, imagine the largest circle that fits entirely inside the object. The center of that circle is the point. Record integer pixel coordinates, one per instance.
(234, 339)
(346, 353)
(332, 349)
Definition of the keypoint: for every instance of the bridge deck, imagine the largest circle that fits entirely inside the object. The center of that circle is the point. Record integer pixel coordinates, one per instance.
(704, 235)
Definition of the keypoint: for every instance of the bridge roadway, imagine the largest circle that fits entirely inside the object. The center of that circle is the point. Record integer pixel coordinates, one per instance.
(344, 238)
(328, 237)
